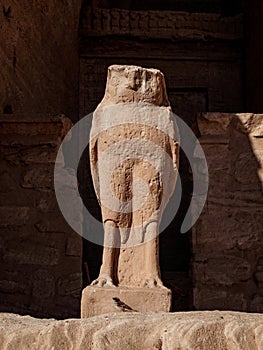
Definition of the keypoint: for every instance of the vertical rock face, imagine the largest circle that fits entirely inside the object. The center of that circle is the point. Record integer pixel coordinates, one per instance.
(227, 240)
(134, 162)
(39, 57)
(40, 254)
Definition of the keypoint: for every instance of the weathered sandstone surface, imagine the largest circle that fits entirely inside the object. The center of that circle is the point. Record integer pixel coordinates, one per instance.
(205, 330)
(227, 239)
(39, 57)
(134, 155)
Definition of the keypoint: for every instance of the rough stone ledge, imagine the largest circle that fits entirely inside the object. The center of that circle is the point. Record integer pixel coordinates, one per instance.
(203, 330)
(217, 125)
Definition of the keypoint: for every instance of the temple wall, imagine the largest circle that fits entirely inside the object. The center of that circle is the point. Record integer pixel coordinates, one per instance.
(55, 61)
(41, 256)
(39, 57)
(227, 240)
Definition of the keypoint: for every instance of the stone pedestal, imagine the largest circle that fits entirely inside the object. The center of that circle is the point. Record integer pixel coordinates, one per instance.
(97, 300)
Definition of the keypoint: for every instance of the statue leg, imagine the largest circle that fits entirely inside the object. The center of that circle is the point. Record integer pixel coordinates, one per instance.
(152, 268)
(124, 234)
(108, 270)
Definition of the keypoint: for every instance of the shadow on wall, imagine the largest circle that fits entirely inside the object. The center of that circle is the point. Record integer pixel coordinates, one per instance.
(227, 240)
(40, 254)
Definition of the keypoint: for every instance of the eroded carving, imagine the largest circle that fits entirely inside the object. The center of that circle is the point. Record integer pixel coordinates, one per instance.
(134, 163)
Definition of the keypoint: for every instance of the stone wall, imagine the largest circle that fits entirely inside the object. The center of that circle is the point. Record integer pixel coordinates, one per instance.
(200, 54)
(174, 25)
(39, 57)
(227, 240)
(40, 74)
(40, 255)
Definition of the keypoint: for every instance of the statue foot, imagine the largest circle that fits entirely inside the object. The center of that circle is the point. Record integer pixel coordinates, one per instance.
(103, 281)
(153, 282)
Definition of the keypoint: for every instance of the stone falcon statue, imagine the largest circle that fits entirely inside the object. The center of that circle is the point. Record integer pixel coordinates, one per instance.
(134, 165)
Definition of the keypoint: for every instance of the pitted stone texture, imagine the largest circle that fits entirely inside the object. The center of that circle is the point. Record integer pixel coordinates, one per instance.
(227, 239)
(135, 84)
(192, 330)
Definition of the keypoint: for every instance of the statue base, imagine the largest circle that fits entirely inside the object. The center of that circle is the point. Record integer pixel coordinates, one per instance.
(98, 300)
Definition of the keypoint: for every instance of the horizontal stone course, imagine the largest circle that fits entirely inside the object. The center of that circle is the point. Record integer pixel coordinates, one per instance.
(27, 253)
(224, 270)
(227, 239)
(164, 24)
(38, 177)
(13, 216)
(37, 245)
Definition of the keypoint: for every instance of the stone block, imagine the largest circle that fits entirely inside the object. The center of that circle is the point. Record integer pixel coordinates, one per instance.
(41, 154)
(32, 254)
(260, 264)
(38, 177)
(27, 127)
(47, 202)
(259, 277)
(257, 303)
(223, 270)
(96, 300)
(228, 228)
(215, 298)
(7, 181)
(43, 284)
(14, 287)
(246, 167)
(214, 124)
(74, 245)
(70, 285)
(53, 223)
(219, 123)
(14, 216)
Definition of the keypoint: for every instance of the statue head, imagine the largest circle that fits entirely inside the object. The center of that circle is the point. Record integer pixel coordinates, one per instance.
(135, 84)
